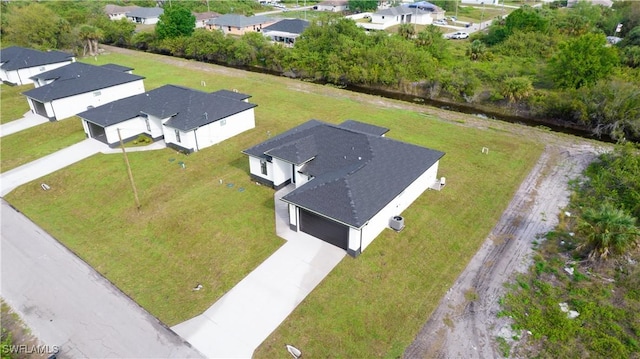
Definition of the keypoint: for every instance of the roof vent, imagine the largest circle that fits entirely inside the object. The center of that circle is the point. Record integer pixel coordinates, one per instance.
(396, 223)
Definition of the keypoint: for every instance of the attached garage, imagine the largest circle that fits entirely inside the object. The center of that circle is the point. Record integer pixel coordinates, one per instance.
(97, 132)
(324, 228)
(39, 108)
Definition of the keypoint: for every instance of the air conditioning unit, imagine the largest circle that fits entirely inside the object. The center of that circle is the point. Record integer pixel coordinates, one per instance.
(396, 223)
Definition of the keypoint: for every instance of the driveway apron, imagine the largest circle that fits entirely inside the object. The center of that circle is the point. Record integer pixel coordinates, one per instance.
(29, 120)
(43, 166)
(245, 316)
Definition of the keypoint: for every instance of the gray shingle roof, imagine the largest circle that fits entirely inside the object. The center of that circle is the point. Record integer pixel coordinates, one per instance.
(190, 108)
(239, 20)
(111, 9)
(355, 173)
(364, 127)
(146, 12)
(77, 78)
(15, 58)
(117, 67)
(292, 26)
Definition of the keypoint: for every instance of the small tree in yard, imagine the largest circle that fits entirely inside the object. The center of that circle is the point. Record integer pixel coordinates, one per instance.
(176, 21)
(516, 88)
(607, 230)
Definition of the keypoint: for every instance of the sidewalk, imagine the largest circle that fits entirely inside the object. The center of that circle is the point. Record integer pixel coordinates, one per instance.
(246, 315)
(29, 120)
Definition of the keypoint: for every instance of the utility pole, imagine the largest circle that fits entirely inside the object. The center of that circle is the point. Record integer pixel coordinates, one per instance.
(126, 160)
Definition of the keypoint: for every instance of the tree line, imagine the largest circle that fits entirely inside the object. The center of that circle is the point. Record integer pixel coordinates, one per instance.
(550, 62)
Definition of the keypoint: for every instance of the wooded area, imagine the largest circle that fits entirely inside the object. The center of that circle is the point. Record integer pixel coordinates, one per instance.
(548, 62)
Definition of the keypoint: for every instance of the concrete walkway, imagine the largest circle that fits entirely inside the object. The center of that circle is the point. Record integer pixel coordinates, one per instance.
(245, 316)
(67, 303)
(43, 166)
(29, 120)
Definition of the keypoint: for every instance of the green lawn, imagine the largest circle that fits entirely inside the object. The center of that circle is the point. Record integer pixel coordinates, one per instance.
(193, 230)
(28, 145)
(12, 104)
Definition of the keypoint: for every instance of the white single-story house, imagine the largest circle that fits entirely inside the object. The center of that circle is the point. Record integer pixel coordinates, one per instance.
(350, 181)
(19, 64)
(71, 89)
(232, 24)
(203, 17)
(385, 18)
(145, 15)
(333, 5)
(117, 12)
(437, 13)
(605, 3)
(285, 31)
(188, 120)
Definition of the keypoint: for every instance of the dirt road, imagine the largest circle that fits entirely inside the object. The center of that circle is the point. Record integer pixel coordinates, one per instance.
(465, 324)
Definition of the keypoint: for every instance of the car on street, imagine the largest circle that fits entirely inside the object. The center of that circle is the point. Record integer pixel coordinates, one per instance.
(459, 35)
(440, 22)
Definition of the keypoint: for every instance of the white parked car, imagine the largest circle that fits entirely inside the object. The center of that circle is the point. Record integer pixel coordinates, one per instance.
(459, 35)
(441, 22)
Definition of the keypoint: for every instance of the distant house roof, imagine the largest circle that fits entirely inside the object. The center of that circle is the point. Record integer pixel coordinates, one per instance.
(425, 5)
(77, 78)
(188, 108)
(292, 26)
(401, 10)
(356, 173)
(334, 3)
(146, 12)
(239, 20)
(14, 58)
(111, 9)
(205, 15)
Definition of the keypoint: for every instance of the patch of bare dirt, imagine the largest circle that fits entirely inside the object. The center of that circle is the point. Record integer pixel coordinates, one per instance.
(465, 324)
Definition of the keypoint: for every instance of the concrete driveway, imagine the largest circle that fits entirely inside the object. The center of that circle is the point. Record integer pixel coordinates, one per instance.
(29, 120)
(245, 316)
(68, 304)
(43, 166)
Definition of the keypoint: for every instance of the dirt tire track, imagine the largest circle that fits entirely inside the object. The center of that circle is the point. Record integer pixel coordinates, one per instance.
(465, 324)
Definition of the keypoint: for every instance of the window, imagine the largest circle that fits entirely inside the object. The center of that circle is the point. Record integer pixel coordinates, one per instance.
(146, 120)
(97, 93)
(229, 28)
(177, 136)
(263, 167)
(223, 122)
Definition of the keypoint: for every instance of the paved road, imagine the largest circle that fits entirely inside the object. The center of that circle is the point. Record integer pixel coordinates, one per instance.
(245, 316)
(29, 120)
(67, 303)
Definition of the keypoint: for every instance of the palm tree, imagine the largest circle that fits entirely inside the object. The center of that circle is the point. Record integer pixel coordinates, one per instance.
(477, 50)
(89, 35)
(607, 230)
(406, 30)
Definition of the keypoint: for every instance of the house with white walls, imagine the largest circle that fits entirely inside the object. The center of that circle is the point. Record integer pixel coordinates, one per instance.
(348, 182)
(187, 119)
(19, 64)
(71, 89)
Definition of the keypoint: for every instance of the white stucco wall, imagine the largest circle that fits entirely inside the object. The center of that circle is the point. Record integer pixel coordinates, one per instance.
(22, 76)
(387, 20)
(187, 139)
(381, 220)
(69, 106)
(282, 171)
(226, 128)
(301, 179)
(255, 168)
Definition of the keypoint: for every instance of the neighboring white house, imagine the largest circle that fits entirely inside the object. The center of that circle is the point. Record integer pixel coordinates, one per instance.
(605, 3)
(386, 18)
(350, 181)
(333, 5)
(19, 64)
(71, 89)
(145, 15)
(285, 31)
(188, 120)
(233, 24)
(116, 12)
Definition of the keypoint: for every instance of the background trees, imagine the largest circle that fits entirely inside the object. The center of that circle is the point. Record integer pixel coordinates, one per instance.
(174, 22)
(37, 26)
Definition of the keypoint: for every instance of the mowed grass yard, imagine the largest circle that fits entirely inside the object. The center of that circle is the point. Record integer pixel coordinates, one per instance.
(12, 103)
(194, 230)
